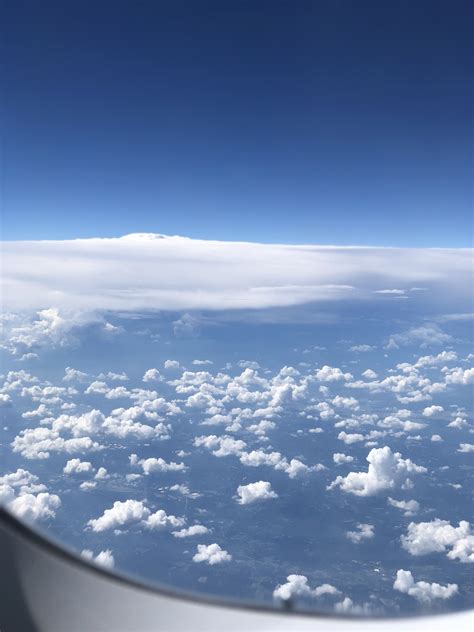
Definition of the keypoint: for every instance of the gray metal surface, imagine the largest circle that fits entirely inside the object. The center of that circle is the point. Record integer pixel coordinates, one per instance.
(45, 588)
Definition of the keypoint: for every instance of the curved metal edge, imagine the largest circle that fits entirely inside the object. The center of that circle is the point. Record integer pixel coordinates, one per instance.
(44, 583)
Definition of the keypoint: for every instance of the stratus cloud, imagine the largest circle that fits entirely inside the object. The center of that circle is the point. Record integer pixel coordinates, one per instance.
(422, 591)
(177, 273)
(387, 470)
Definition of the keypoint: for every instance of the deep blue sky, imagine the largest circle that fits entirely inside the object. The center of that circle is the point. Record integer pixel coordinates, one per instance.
(331, 121)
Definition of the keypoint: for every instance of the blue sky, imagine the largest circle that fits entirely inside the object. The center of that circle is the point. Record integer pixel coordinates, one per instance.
(321, 122)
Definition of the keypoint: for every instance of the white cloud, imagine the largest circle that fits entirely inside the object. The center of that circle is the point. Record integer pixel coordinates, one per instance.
(362, 348)
(161, 520)
(297, 586)
(211, 554)
(152, 375)
(339, 458)
(459, 376)
(253, 492)
(31, 507)
(195, 529)
(347, 606)
(439, 536)
(196, 274)
(429, 411)
(409, 507)
(386, 470)
(103, 558)
(422, 591)
(171, 364)
(423, 336)
(76, 466)
(38, 443)
(121, 514)
(74, 375)
(466, 447)
(363, 532)
(152, 465)
(370, 374)
(331, 374)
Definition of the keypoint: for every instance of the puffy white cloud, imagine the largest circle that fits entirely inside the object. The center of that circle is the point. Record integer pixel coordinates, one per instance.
(161, 520)
(386, 470)
(429, 411)
(31, 507)
(152, 465)
(370, 374)
(171, 364)
(38, 443)
(103, 558)
(436, 438)
(439, 536)
(422, 591)
(152, 375)
(74, 375)
(351, 437)
(297, 586)
(101, 474)
(253, 492)
(409, 507)
(466, 447)
(5, 400)
(211, 554)
(347, 606)
(364, 532)
(121, 514)
(28, 499)
(331, 374)
(339, 458)
(195, 529)
(441, 358)
(76, 466)
(459, 376)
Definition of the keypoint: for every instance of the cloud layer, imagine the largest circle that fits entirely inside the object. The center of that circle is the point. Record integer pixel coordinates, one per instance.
(176, 273)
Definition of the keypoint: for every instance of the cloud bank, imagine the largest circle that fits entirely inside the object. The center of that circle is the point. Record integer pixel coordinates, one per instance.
(154, 272)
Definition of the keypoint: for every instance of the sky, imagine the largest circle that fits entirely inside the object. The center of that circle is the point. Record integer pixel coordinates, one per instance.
(328, 122)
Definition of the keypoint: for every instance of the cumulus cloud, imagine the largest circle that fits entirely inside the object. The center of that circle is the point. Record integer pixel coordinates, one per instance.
(387, 470)
(195, 529)
(76, 466)
(152, 375)
(429, 411)
(152, 465)
(253, 492)
(363, 532)
(422, 591)
(409, 507)
(439, 536)
(121, 514)
(161, 520)
(176, 273)
(103, 558)
(339, 458)
(32, 507)
(211, 554)
(298, 586)
(331, 374)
